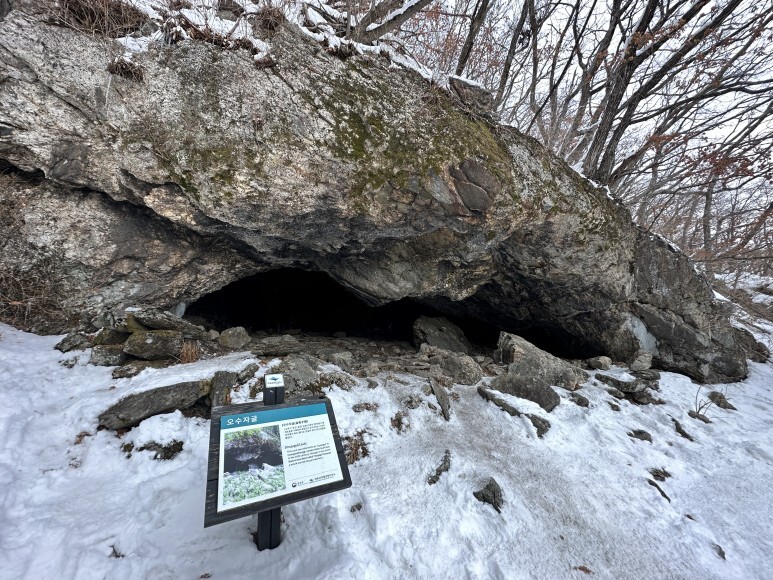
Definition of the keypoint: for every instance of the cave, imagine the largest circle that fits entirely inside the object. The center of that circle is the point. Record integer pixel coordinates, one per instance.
(289, 300)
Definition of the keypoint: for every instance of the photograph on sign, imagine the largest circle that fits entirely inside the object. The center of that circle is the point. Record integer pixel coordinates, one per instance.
(269, 453)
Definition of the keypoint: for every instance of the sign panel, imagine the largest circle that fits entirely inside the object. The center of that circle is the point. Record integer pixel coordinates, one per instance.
(264, 457)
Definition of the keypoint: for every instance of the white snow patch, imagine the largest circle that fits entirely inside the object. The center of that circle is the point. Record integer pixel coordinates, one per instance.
(577, 497)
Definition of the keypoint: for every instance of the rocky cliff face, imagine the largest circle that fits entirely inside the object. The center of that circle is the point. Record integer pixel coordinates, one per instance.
(158, 191)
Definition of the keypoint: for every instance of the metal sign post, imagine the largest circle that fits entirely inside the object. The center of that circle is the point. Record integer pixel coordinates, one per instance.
(268, 534)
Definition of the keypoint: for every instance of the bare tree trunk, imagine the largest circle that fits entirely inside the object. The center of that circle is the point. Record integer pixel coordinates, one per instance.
(478, 17)
(515, 41)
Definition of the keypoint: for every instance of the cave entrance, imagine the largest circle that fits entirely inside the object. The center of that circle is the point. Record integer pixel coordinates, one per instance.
(287, 299)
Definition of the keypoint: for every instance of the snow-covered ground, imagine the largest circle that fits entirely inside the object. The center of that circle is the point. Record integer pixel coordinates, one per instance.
(75, 507)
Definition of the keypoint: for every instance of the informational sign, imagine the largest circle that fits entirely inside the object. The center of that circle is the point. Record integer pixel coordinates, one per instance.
(266, 457)
(274, 381)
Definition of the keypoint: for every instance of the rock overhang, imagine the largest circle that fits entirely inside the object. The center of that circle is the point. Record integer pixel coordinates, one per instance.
(345, 167)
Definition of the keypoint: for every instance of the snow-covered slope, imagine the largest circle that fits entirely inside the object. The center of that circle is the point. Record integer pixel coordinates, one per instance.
(74, 506)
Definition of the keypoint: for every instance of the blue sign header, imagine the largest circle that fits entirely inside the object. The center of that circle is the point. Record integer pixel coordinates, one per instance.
(270, 415)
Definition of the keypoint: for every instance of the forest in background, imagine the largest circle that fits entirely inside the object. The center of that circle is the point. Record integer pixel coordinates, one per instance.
(666, 102)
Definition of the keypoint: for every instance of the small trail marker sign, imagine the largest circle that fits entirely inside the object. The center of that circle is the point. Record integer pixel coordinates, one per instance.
(264, 457)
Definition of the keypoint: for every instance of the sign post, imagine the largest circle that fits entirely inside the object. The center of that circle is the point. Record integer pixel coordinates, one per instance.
(268, 534)
(266, 455)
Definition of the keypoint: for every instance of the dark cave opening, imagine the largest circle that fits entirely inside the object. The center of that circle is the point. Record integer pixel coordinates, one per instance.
(290, 300)
(287, 299)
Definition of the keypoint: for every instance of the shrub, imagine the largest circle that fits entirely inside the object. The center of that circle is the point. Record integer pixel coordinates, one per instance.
(111, 18)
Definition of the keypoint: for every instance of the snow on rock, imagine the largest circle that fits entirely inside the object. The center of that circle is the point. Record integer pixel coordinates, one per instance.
(79, 507)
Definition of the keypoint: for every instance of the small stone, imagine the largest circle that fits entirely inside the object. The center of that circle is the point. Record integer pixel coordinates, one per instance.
(73, 341)
(360, 407)
(659, 474)
(613, 406)
(108, 355)
(680, 430)
(234, 338)
(154, 344)
(647, 375)
(491, 494)
(163, 452)
(544, 396)
(222, 383)
(135, 367)
(356, 507)
(299, 376)
(640, 434)
(541, 425)
(615, 393)
(444, 466)
(110, 336)
(212, 334)
(621, 385)
(642, 360)
(413, 402)
(442, 399)
(248, 372)
(645, 398)
(163, 320)
(699, 416)
(579, 400)
(602, 363)
(721, 401)
(660, 490)
(400, 422)
(720, 552)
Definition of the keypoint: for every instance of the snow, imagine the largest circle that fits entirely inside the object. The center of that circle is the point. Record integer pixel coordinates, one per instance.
(578, 497)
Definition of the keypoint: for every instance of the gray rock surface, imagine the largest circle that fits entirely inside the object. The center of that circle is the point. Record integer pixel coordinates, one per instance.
(491, 494)
(441, 333)
(599, 363)
(299, 375)
(73, 341)
(460, 368)
(108, 355)
(534, 367)
(162, 320)
(234, 338)
(131, 410)
(154, 344)
(720, 400)
(134, 367)
(512, 384)
(162, 191)
(579, 400)
(277, 345)
(222, 383)
(647, 375)
(753, 349)
(642, 361)
(442, 398)
(622, 385)
(110, 336)
(444, 466)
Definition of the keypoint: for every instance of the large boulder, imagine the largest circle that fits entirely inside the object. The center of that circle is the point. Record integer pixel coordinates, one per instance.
(534, 367)
(132, 409)
(441, 333)
(211, 169)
